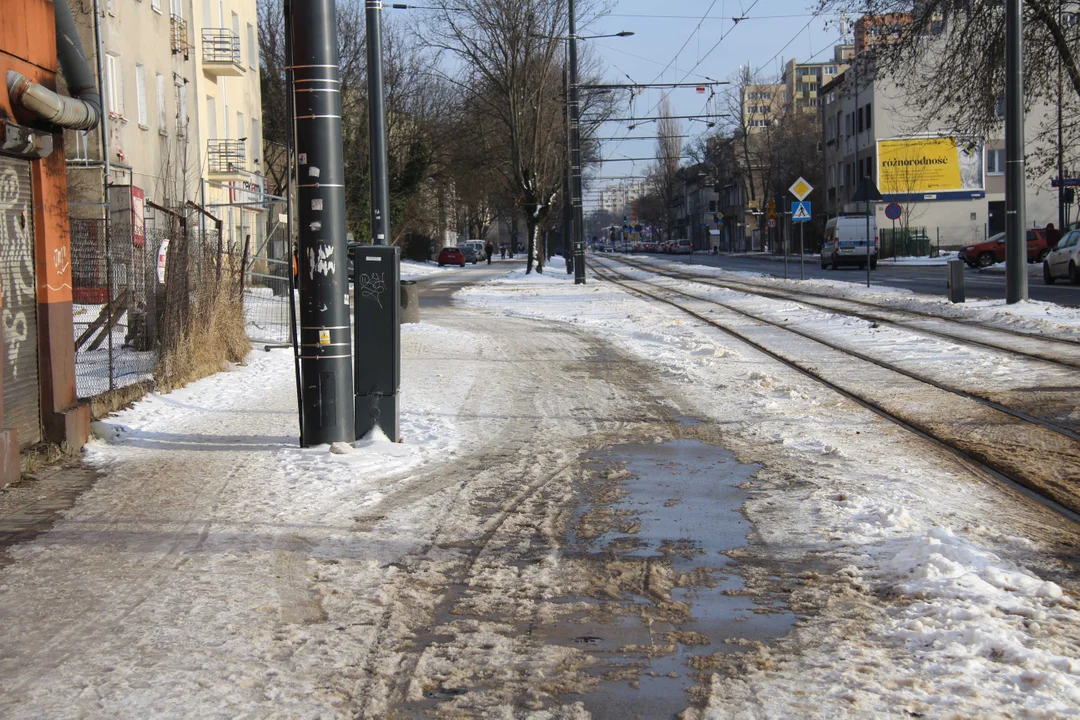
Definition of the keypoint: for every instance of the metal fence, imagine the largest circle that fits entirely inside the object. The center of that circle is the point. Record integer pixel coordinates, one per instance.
(907, 242)
(266, 289)
(113, 282)
(126, 307)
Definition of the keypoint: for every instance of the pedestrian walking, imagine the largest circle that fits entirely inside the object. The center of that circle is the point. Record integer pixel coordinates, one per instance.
(1053, 236)
(502, 252)
(489, 250)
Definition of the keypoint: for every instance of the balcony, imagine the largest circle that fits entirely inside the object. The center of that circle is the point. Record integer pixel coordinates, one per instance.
(227, 160)
(221, 53)
(178, 36)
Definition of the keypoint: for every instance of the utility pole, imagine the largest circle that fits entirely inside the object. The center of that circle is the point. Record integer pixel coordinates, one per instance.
(380, 183)
(575, 153)
(1016, 279)
(377, 331)
(1060, 144)
(568, 182)
(325, 343)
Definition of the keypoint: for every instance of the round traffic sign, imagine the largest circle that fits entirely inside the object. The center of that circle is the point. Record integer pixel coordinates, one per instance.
(772, 223)
(893, 211)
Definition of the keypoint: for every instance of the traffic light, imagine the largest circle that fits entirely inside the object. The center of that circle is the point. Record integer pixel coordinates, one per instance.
(1070, 195)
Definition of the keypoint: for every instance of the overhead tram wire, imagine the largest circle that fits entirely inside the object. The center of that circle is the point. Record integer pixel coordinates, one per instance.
(705, 56)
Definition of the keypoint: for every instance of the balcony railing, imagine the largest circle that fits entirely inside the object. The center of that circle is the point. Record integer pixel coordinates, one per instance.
(226, 157)
(221, 52)
(179, 36)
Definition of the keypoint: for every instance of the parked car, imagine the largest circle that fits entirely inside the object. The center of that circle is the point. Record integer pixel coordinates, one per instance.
(846, 242)
(1063, 261)
(682, 247)
(451, 256)
(472, 254)
(992, 251)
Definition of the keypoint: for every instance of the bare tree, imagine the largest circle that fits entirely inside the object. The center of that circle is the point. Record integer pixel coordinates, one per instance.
(949, 56)
(510, 52)
(665, 179)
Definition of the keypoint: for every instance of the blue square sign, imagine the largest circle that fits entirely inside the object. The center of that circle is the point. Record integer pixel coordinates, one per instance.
(800, 211)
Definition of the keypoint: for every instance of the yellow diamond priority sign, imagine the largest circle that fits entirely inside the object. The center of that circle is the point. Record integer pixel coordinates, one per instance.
(801, 189)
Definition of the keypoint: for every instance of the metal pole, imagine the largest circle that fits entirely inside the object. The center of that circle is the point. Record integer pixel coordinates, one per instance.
(568, 183)
(325, 337)
(291, 255)
(802, 251)
(575, 153)
(785, 236)
(380, 182)
(1016, 279)
(1060, 145)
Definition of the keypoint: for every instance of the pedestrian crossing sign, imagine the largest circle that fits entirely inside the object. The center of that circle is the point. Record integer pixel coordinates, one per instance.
(800, 211)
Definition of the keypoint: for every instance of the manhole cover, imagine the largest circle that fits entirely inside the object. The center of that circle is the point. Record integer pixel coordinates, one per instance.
(588, 639)
(445, 693)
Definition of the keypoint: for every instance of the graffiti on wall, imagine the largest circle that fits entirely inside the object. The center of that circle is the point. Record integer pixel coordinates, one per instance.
(16, 265)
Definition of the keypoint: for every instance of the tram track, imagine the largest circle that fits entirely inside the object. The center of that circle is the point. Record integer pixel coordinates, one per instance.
(1038, 457)
(1063, 352)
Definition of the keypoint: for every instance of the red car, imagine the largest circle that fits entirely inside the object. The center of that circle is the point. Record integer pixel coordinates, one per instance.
(992, 251)
(451, 256)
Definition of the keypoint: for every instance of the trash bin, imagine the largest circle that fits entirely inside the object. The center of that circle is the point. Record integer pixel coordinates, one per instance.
(956, 281)
(410, 301)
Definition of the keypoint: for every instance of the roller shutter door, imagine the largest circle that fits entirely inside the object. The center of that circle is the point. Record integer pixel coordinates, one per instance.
(18, 316)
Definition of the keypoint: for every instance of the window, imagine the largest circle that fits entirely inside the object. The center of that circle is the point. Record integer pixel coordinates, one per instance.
(140, 94)
(252, 50)
(236, 25)
(859, 114)
(225, 117)
(180, 88)
(155, 5)
(115, 78)
(111, 7)
(995, 162)
(850, 124)
(162, 121)
(255, 140)
(211, 118)
(207, 20)
(867, 116)
(241, 127)
(176, 7)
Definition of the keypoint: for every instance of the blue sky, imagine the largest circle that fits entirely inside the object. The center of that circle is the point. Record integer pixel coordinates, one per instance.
(773, 32)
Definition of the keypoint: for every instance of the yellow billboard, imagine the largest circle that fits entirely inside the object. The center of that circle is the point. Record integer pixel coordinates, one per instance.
(929, 165)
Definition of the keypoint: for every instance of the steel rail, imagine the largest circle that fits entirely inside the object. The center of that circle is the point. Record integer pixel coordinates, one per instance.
(983, 465)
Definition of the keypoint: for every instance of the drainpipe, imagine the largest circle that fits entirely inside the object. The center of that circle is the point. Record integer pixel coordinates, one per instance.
(82, 112)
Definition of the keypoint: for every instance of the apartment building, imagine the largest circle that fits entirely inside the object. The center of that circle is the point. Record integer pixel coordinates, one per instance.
(871, 30)
(228, 107)
(803, 81)
(952, 186)
(760, 104)
(149, 150)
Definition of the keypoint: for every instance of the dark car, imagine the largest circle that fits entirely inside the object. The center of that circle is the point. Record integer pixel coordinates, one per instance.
(992, 251)
(451, 256)
(472, 254)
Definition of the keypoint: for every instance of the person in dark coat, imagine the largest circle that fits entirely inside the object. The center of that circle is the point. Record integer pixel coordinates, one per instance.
(489, 250)
(1053, 235)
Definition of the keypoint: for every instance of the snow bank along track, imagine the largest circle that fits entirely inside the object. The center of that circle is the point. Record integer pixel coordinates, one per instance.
(1009, 445)
(1060, 351)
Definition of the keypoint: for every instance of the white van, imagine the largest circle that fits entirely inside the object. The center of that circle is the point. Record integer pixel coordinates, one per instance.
(845, 242)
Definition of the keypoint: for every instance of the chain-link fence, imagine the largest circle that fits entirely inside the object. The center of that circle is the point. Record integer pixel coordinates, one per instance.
(159, 304)
(114, 278)
(266, 289)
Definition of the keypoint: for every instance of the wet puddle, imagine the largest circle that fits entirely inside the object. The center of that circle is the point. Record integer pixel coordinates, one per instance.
(673, 510)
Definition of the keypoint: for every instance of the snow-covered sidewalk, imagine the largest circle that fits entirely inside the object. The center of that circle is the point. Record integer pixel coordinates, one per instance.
(216, 570)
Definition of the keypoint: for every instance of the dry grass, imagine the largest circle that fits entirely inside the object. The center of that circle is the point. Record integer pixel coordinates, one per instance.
(207, 331)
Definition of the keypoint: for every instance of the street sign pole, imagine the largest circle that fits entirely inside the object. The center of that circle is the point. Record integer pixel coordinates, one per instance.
(802, 252)
(1016, 278)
